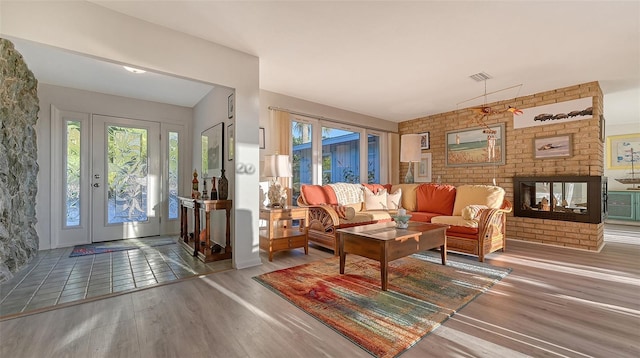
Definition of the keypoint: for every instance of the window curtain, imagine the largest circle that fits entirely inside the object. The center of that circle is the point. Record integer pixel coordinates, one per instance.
(282, 126)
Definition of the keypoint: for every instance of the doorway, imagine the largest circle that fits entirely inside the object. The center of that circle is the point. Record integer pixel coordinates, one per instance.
(125, 178)
(107, 178)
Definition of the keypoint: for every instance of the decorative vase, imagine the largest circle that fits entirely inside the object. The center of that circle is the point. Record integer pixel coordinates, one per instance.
(223, 187)
(195, 193)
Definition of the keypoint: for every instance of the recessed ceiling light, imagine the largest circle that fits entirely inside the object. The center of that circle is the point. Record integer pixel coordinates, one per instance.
(134, 70)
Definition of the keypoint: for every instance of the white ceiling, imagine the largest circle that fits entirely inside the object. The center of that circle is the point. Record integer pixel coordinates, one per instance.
(61, 68)
(402, 60)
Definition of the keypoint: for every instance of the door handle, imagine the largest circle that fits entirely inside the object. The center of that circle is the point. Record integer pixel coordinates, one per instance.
(96, 185)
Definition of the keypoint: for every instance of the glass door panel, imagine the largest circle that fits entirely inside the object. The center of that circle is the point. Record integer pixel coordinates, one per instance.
(340, 156)
(302, 156)
(373, 158)
(125, 178)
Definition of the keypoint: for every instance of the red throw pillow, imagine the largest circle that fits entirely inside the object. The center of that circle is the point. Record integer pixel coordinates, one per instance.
(318, 195)
(434, 198)
(377, 187)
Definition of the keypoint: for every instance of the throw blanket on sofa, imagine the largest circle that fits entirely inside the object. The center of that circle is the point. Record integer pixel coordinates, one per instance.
(347, 193)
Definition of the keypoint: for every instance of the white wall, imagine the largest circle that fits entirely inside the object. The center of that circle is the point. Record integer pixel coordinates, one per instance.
(211, 110)
(69, 99)
(89, 29)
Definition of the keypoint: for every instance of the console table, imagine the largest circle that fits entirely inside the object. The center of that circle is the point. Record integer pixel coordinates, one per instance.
(204, 250)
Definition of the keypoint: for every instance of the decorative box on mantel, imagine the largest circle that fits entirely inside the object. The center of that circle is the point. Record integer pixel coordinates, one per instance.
(568, 198)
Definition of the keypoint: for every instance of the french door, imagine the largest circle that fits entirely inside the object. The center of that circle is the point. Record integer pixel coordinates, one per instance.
(125, 178)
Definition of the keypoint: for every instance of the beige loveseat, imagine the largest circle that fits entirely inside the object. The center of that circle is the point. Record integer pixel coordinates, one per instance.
(476, 214)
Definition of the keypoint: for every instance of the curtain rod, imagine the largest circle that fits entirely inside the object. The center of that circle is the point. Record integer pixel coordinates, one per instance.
(314, 116)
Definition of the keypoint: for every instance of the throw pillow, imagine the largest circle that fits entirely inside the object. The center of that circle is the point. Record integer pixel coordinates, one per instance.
(377, 201)
(318, 195)
(344, 212)
(434, 198)
(491, 196)
(393, 200)
(471, 212)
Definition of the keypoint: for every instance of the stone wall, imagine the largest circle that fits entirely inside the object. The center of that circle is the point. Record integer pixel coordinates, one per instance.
(587, 159)
(18, 166)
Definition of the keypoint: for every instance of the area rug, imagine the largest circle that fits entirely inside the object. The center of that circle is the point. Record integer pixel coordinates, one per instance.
(119, 245)
(422, 293)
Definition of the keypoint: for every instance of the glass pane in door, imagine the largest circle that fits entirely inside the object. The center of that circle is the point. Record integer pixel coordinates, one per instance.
(127, 175)
(340, 156)
(72, 174)
(302, 161)
(373, 160)
(173, 175)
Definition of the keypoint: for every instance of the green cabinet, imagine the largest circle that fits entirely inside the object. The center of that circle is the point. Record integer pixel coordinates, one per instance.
(624, 205)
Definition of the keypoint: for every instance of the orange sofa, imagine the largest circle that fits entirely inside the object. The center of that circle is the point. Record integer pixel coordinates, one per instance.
(476, 214)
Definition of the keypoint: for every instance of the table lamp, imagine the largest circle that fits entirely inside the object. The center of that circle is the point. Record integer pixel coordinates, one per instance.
(276, 166)
(409, 152)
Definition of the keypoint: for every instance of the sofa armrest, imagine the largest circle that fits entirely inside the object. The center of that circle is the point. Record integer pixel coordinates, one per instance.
(492, 222)
(322, 218)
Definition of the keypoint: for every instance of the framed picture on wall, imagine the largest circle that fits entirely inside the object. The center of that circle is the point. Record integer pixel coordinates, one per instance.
(475, 146)
(424, 141)
(212, 145)
(553, 147)
(622, 150)
(261, 138)
(230, 141)
(231, 106)
(423, 169)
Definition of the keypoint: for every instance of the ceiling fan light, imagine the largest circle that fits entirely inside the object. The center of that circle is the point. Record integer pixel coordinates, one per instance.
(134, 70)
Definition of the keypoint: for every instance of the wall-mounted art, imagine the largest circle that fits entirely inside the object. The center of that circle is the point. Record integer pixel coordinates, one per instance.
(230, 137)
(475, 146)
(622, 150)
(212, 145)
(425, 141)
(423, 169)
(567, 111)
(552, 147)
(231, 106)
(261, 142)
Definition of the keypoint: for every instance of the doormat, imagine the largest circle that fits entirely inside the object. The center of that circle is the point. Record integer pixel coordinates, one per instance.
(118, 245)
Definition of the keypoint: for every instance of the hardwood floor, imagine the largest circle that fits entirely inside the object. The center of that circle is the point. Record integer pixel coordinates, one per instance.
(555, 303)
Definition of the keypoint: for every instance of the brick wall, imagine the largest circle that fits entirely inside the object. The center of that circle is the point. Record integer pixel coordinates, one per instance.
(587, 159)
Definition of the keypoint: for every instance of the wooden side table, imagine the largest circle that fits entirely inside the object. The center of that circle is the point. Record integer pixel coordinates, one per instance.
(205, 252)
(275, 238)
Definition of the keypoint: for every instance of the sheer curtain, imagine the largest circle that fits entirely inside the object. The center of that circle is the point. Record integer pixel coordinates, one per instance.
(281, 122)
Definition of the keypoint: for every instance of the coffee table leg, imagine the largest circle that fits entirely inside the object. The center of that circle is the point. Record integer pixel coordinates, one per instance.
(443, 253)
(343, 255)
(384, 273)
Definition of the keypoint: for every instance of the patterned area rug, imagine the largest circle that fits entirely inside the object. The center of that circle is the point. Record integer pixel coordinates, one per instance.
(119, 245)
(422, 293)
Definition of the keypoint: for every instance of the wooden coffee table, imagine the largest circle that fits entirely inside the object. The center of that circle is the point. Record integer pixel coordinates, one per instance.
(384, 243)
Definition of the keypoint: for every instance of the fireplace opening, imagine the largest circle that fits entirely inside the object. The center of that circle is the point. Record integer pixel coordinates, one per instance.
(568, 198)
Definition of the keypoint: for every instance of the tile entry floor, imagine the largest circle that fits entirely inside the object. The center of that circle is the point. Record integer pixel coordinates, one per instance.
(54, 278)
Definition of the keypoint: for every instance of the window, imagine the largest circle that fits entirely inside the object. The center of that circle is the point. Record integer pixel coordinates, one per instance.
(301, 136)
(173, 174)
(72, 174)
(325, 152)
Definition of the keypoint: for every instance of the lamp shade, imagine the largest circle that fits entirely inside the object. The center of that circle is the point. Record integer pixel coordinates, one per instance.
(410, 148)
(277, 166)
